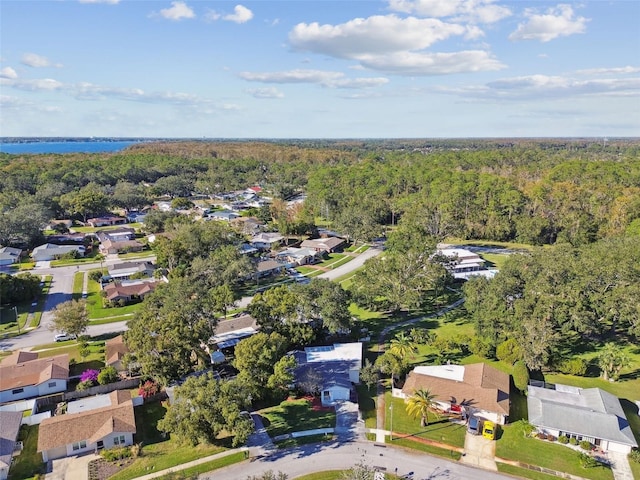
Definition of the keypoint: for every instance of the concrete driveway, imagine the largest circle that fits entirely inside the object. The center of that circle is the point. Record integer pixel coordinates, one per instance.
(71, 468)
(479, 452)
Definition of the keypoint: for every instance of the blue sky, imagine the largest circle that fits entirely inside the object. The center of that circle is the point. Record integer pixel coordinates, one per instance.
(319, 69)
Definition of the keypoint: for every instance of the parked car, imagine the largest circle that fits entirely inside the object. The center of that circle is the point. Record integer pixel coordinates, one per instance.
(474, 427)
(63, 337)
(489, 430)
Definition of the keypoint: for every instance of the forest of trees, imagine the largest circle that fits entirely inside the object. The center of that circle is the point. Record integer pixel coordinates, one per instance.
(538, 192)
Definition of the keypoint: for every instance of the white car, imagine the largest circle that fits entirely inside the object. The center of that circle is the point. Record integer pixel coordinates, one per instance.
(63, 337)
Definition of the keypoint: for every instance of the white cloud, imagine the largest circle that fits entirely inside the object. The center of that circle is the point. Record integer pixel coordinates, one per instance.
(240, 14)
(541, 87)
(393, 44)
(212, 15)
(557, 22)
(377, 34)
(177, 11)
(320, 77)
(111, 2)
(43, 84)
(37, 61)
(610, 71)
(474, 11)
(270, 92)
(410, 63)
(8, 72)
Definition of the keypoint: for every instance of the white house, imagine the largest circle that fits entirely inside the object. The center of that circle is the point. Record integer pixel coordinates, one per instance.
(476, 389)
(49, 251)
(464, 264)
(266, 240)
(122, 271)
(24, 375)
(298, 256)
(222, 215)
(589, 414)
(9, 255)
(330, 370)
(91, 424)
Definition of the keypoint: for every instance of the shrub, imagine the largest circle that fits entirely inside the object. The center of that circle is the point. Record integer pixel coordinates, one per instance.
(84, 385)
(509, 351)
(574, 366)
(634, 456)
(84, 352)
(585, 445)
(108, 375)
(521, 376)
(573, 441)
(148, 389)
(113, 454)
(480, 348)
(136, 450)
(89, 376)
(587, 461)
(95, 275)
(563, 439)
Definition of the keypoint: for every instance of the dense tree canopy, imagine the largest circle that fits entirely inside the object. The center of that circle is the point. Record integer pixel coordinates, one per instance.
(555, 299)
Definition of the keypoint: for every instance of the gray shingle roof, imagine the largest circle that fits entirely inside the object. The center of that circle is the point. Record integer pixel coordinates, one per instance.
(589, 412)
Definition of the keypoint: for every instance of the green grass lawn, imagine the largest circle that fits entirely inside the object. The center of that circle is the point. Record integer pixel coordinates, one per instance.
(635, 468)
(367, 405)
(160, 453)
(513, 445)
(29, 462)
(523, 472)
(98, 311)
(134, 255)
(495, 260)
(8, 325)
(430, 449)
(439, 429)
(95, 359)
(295, 416)
(78, 284)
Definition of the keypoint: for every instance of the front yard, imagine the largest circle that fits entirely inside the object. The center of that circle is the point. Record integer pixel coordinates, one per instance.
(296, 416)
(158, 452)
(514, 445)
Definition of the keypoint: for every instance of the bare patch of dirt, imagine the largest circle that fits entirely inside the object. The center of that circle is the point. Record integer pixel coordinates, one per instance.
(100, 469)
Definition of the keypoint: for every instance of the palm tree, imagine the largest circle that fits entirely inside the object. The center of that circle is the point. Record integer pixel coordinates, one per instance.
(402, 346)
(420, 404)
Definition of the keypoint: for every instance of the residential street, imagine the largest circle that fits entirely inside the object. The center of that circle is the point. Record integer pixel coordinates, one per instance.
(335, 455)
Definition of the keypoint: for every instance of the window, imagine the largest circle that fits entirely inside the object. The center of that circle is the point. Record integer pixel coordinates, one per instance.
(118, 440)
(51, 384)
(17, 391)
(79, 445)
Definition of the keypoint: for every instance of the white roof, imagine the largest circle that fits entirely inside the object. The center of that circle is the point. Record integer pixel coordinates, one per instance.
(448, 372)
(337, 351)
(461, 253)
(229, 339)
(89, 403)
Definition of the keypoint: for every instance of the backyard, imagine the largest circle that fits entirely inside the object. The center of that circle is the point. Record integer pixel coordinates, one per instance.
(29, 462)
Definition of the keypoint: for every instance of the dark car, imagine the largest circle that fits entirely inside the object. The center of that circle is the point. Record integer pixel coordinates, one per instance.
(474, 426)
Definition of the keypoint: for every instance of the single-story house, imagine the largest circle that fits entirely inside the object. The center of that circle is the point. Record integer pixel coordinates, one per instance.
(115, 350)
(111, 247)
(330, 371)
(136, 217)
(463, 264)
(589, 414)
(222, 215)
(67, 238)
(266, 240)
(476, 389)
(247, 225)
(229, 332)
(124, 270)
(49, 251)
(116, 234)
(299, 256)
(129, 290)
(268, 267)
(106, 221)
(10, 422)
(9, 255)
(326, 245)
(87, 429)
(247, 249)
(23, 375)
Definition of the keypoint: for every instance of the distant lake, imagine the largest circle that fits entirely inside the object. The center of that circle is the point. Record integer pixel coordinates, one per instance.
(64, 147)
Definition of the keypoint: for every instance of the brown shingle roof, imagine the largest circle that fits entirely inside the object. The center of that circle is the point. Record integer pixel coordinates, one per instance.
(34, 372)
(483, 387)
(115, 290)
(20, 356)
(328, 243)
(233, 324)
(115, 349)
(91, 425)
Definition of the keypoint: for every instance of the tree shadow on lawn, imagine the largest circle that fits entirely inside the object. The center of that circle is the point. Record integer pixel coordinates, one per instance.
(630, 375)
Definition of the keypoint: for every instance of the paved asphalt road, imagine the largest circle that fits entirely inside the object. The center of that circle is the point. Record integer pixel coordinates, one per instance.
(60, 291)
(62, 288)
(338, 456)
